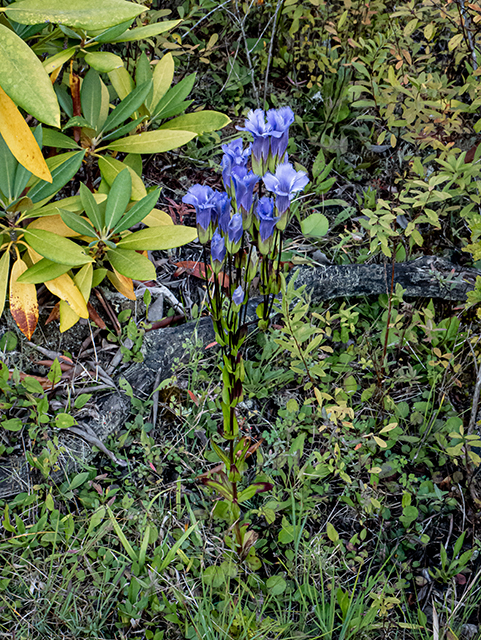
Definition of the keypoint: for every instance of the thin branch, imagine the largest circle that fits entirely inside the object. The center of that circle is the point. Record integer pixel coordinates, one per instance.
(280, 4)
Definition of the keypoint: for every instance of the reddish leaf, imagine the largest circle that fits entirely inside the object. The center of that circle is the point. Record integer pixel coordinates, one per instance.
(45, 382)
(197, 269)
(23, 301)
(94, 316)
(193, 397)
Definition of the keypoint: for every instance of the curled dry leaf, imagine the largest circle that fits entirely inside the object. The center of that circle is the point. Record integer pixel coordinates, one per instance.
(23, 301)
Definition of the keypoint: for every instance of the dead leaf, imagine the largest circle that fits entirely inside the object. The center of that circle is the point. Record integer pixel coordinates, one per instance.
(23, 301)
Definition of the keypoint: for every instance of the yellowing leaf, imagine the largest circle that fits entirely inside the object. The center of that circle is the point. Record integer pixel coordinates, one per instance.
(55, 224)
(455, 41)
(104, 61)
(20, 139)
(198, 122)
(83, 280)
(152, 141)
(157, 218)
(158, 238)
(121, 81)
(124, 285)
(64, 288)
(380, 442)
(162, 77)
(23, 301)
(110, 168)
(4, 268)
(55, 62)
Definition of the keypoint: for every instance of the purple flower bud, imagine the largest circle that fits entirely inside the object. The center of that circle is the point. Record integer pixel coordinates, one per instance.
(238, 296)
(217, 247)
(235, 229)
(280, 120)
(234, 156)
(244, 183)
(256, 124)
(265, 214)
(285, 183)
(222, 210)
(201, 197)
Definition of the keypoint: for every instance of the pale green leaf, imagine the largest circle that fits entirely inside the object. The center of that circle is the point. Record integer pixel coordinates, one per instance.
(24, 79)
(138, 212)
(42, 271)
(152, 141)
(315, 225)
(55, 248)
(198, 122)
(110, 167)
(131, 264)
(147, 32)
(53, 138)
(163, 76)
(122, 82)
(54, 62)
(127, 106)
(159, 238)
(103, 61)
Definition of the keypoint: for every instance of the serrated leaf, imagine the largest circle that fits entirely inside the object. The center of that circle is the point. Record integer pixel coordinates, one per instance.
(158, 238)
(24, 79)
(23, 301)
(131, 264)
(198, 122)
(127, 107)
(42, 271)
(55, 248)
(140, 33)
(60, 175)
(77, 223)
(20, 140)
(4, 269)
(87, 14)
(138, 212)
(152, 141)
(118, 199)
(162, 78)
(103, 61)
(315, 225)
(110, 168)
(91, 97)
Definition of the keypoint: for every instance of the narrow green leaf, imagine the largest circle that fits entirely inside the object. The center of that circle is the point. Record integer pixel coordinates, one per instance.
(134, 161)
(152, 141)
(77, 121)
(140, 33)
(91, 97)
(173, 110)
(118, 530)
(162, 76)
(77, 223)
(176, 94)
(42, 271)
(104, 105)
(112, 32)
(87, 14)
(118, 199)
(131, 264)
(103, 61)
(158, 238)
(24, 79)
(143, 71)
(91, 207)
(171, 553)
(138, 212)
(54, 62)
(60, 175)
(127, 106)
(8, 168)
(53, 138)
(122, 131)
(198, 122)
(122, 82)
(110, 167)
(55, 248)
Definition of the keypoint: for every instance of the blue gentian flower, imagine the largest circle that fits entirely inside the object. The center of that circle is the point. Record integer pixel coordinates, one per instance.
(244, 182)
(217, 250)
(202, 198)
(222, 210)
(285, 183)
(234, 156)
(238, 296)
(280, 120)
(261, 131)
(235, 230)
(267, 220)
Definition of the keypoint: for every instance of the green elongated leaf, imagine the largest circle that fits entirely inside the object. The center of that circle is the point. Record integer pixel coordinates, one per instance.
(134, 161)
(143, 72)
(112, 32)
(56, 61)
(138, 212)
(103, 61)
(199, 122)
(64, 99)
(77, 121)
(91, 207)
(111, 167)
(122, 82)
(91, 97)
(60, 175)
(158, 238)
(127, 106)
(119, 198)
(22, 175)
(77, 223)
(24, 79)
(43, 271)
(131, 264)
(148, 31)
(152, 141)
(176, 94)
(53, 138)
(162, 76)
(127, 128)
(73, 203)
(171, 553)
(8, 168)
(174, 110)
(87, 14)
(55, 248)
(104, 105)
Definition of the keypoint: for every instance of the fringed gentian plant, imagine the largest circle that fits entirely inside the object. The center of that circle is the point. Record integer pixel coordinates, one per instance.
(244, 229)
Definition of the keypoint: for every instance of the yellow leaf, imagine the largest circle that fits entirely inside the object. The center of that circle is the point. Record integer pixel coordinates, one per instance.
(64, 288)
(55, 224)
(83, 280)
(124, 285)
(4, 267)
(380, 442)
(20, 139)
(157, 218)
(23, 301)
